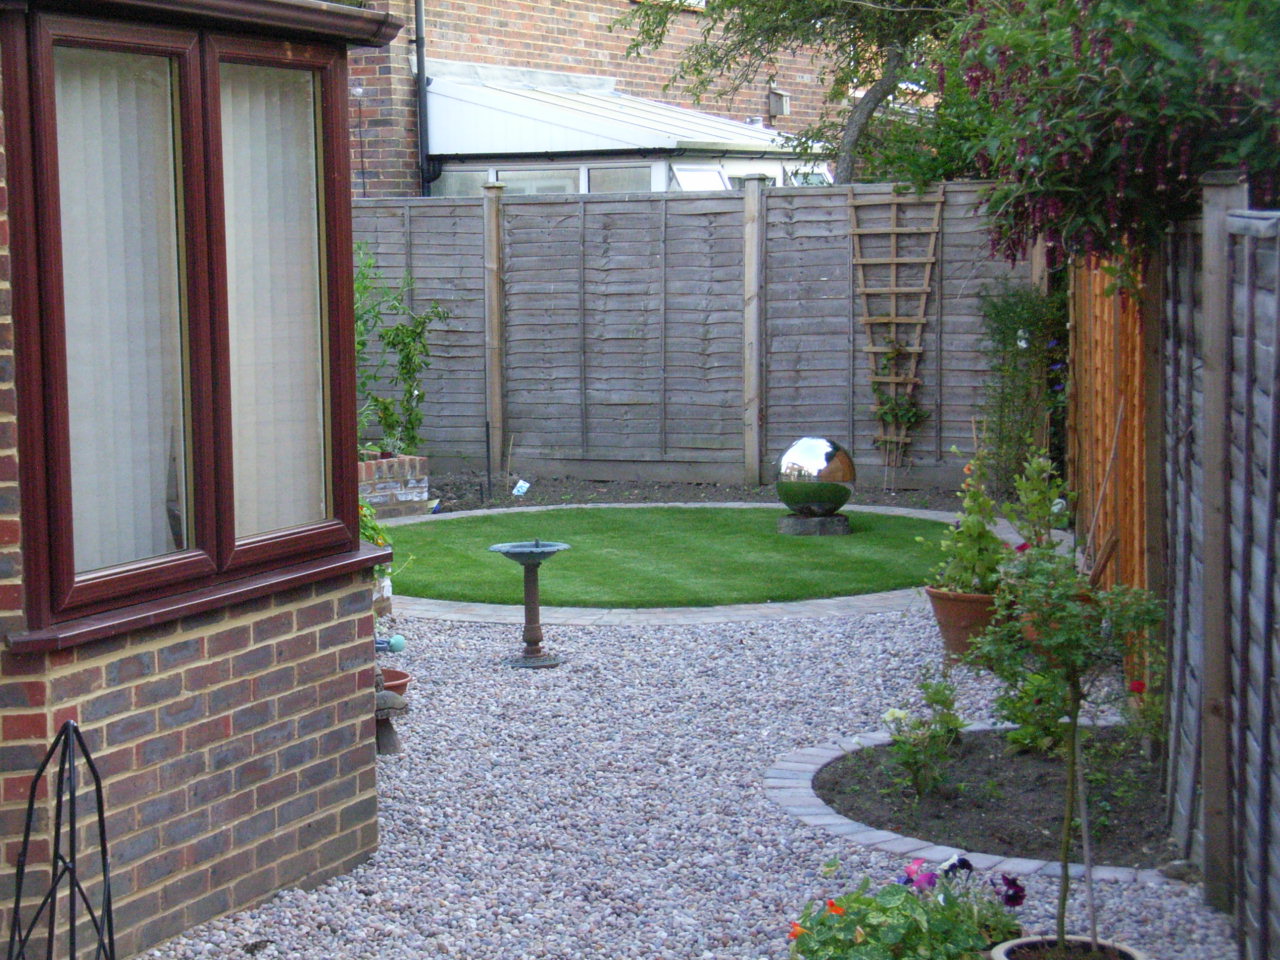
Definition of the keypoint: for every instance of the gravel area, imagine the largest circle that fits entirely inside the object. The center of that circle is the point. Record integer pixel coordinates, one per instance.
(613, 808)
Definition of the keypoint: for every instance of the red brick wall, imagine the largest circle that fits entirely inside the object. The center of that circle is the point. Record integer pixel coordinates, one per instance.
(396, 486)
(566, 35)
(236, 748)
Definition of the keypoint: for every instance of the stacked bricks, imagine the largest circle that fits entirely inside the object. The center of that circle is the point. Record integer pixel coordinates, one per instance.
(395, 486)
(236, 749)
(384, 114)
(570, 36)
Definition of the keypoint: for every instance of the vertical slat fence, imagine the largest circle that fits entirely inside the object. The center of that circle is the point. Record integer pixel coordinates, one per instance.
(624, 320)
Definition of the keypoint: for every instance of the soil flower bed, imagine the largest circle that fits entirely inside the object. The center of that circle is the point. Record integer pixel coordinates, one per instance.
(994, 800)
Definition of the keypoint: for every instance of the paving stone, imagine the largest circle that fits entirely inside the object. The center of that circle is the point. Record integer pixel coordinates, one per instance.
(1019, 866)
(900, 844)
(1115, 874)
(937, 854)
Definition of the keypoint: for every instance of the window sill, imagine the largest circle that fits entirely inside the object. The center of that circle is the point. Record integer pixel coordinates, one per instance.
(73, 633)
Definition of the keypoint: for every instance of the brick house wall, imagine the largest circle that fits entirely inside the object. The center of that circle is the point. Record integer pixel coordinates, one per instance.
(236, 749)
(566, 35)
(236, 745)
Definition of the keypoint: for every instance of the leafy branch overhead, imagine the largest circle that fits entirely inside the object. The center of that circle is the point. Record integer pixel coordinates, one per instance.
(1098, 117)
(852, 45)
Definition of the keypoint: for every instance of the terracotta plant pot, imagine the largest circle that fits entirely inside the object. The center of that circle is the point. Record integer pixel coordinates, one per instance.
(397, 681)
(1032, 948)
(961, 617)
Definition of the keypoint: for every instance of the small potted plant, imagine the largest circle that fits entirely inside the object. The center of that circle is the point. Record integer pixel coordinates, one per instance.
(963, 585)
(1052, 622)
(947, 914)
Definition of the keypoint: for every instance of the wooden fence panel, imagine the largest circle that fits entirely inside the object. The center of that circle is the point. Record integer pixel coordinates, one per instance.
(1249, 872)
(809, 359)
(439, 245)
(1108, 455)
(622, 328)
(1183, 481)
(1254, 451)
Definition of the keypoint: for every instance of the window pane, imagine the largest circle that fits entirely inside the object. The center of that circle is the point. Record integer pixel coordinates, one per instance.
(460, 183)
(699, 178)
(121, 252)
(619, 180)
(539, 181)
(274, 292)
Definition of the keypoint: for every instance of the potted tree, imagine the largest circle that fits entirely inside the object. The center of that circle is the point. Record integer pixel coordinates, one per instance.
(1052, 621)
(962, 591)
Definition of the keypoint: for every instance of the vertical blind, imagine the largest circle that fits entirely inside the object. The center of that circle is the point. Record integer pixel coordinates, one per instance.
(124, 324)
(274, 286)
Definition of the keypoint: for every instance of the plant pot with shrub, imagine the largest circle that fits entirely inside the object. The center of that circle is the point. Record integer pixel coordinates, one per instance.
(962, 591)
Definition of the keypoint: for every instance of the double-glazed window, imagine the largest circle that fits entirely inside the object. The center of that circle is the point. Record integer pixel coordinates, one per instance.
(192, 296)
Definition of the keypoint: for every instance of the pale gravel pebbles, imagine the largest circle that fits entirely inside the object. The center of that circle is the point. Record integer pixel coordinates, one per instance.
(613, 808)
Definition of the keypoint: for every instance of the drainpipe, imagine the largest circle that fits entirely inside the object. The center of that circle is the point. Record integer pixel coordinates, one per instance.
(429, 169)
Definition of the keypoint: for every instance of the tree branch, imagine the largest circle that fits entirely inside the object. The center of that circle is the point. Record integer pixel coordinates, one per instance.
(861, 113)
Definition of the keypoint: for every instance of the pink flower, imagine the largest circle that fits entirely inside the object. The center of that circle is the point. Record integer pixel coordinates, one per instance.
(1137, 686)
(924, 881)
(1023, 547)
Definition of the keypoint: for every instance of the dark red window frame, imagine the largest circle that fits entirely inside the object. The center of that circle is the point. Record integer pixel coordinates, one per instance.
(58, 603)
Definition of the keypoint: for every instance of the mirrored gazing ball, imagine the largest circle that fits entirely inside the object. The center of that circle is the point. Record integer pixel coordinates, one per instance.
(815, 477)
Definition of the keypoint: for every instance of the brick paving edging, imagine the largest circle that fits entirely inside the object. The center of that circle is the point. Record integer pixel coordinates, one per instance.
(789, 783)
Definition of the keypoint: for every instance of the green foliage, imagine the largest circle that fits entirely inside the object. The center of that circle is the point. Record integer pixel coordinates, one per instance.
(1043, 503)
(850, 45)
(372, 531)
(1024, 402)
(903, 409)
(920, 744)
(952, 921)
(1098, 117)
(1051, 621)
(927, 146)
(399, 416)
(1037, 704)
(972, 553)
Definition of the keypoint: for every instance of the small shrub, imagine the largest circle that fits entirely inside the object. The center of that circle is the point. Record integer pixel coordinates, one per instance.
(942, 915)
(1025, 401)
(1037, 705)
(399, 416)
(920, 744)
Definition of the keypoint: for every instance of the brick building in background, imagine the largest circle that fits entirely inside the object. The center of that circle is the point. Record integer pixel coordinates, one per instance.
(569, 36)
(180, 570)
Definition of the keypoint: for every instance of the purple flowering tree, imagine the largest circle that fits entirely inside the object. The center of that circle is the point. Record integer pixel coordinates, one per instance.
(1097, 117)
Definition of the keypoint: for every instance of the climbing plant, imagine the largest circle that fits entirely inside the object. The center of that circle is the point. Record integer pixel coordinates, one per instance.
(391, 355)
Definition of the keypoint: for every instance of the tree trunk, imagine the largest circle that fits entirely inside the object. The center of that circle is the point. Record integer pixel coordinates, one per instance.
(1073, 733)
(862, 112)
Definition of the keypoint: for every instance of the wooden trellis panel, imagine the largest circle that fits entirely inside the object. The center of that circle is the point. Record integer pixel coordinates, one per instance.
(895, 253)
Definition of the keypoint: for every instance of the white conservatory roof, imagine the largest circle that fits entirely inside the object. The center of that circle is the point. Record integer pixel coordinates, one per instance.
(475, 109)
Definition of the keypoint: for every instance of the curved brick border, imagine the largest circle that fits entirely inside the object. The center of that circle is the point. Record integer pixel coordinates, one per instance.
(789, 783)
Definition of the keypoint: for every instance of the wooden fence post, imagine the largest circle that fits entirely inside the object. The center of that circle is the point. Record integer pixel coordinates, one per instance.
(494, 319)
(1222, 190)
(753, 229)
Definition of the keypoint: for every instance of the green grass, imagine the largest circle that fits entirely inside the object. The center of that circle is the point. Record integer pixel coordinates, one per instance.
(662, 556)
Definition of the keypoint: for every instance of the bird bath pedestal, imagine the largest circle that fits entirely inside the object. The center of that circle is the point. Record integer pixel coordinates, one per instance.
(530, 554)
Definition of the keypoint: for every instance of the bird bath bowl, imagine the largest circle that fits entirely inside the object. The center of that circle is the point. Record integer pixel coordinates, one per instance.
(530, 554)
